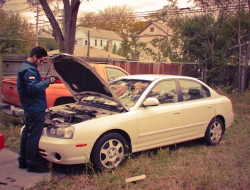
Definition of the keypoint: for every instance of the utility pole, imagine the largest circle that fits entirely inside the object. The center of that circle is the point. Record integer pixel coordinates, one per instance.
(239, 43)
(88, 44)
(37, 14)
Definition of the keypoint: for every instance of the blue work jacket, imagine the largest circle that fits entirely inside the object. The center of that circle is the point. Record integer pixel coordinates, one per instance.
(31, 88)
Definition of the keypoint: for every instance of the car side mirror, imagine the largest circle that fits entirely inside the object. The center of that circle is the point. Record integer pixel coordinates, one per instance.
(151, 102)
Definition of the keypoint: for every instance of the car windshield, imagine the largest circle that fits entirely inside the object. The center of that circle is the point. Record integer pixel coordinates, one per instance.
(98, 100)
(129, 90)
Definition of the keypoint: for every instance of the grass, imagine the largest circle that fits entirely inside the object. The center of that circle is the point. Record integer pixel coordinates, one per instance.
(190, 165)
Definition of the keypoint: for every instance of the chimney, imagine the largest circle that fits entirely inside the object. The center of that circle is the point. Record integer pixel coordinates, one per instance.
(110, 46)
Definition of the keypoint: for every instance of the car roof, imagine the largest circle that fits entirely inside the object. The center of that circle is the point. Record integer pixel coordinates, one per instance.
(152, 77)
(94, 64)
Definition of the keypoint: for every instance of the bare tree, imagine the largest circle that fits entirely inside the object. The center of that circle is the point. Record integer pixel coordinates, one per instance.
(65, 35)
(65, 40)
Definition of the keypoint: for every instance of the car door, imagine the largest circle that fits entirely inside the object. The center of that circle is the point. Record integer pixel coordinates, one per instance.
(162, 124)
(197, 108)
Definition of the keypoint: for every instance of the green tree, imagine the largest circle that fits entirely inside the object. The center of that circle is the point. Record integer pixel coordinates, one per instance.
(235, 14)
(119, 19)
(125, 49)
(16, 34)
(105, 47)
(48, 43)
(209, 36)
(114, 50)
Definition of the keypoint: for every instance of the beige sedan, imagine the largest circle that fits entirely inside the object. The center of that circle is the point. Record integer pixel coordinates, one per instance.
(130, 114)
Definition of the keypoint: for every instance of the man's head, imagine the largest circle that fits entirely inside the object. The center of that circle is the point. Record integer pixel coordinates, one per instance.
(37, 55)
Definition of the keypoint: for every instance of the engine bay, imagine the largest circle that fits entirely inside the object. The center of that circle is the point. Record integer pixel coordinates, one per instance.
(74, 113)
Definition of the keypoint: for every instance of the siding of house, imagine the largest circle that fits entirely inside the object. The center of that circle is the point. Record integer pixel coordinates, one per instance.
(98, 38)
(159, 30)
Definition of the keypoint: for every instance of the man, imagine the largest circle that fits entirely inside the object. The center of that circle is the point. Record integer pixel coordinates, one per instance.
(31, 90)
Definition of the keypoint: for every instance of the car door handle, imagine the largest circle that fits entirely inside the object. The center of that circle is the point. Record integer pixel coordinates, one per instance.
(209, 106)
(177, 113)
(11, 87)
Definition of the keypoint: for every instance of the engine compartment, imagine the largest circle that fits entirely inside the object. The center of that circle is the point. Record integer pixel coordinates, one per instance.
(74, 113)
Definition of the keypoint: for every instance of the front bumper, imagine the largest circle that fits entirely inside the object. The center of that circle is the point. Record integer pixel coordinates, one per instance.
(64, 151)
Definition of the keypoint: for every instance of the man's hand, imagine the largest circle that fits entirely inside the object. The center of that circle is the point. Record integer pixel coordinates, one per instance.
(52, 79)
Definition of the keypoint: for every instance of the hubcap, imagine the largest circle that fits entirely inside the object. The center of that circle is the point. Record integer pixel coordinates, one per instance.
(112, 153)
(216, 132)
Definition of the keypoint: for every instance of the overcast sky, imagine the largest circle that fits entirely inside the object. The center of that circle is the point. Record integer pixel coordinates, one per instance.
(95, 5)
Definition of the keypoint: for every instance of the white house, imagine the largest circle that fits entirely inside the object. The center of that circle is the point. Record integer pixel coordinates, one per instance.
(154, 30)
(98, 38)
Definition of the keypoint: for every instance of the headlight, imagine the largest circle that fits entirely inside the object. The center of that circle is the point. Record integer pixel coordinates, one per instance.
(61, 132)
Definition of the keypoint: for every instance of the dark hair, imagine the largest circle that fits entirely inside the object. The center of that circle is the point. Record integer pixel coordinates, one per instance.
(39, 52)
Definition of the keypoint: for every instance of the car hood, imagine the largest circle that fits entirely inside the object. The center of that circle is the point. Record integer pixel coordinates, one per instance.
(81, 79)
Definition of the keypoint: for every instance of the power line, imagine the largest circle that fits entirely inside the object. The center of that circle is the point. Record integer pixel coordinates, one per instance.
(7, 4)
(146, 14)
(91, 5)
(168, 11)
(19, 10)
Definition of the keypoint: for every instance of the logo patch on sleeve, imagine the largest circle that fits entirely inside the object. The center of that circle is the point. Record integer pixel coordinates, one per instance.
(32, 78)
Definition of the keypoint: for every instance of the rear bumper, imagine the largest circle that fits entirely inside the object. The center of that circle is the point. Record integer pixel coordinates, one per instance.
(11, 109)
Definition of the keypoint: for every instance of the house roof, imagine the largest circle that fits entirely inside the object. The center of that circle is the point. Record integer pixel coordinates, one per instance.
(93, 52)
(161, 26)
(98, 33)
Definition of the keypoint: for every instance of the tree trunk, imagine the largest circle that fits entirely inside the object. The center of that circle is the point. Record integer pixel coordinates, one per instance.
(70, 13)
(66, 41)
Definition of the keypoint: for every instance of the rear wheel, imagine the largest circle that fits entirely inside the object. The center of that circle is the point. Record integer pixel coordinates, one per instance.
(109, 151)
(214, 132)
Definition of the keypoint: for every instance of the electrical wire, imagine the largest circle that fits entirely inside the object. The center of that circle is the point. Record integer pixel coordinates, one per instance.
(21, 10)
(147, 14)
(8, 4)
(91, 5)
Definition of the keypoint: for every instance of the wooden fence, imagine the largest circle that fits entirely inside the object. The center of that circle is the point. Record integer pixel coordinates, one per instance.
(11, 63)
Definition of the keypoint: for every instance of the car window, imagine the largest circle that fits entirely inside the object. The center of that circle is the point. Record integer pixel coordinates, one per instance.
(165, 92)
(129, 91)
(192, 90)
(113, 73)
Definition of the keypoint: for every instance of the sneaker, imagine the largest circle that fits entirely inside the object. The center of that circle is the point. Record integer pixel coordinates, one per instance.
(37, 169)
(22, 165)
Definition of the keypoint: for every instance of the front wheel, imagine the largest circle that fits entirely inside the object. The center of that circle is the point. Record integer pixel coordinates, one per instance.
(109, 151)
(214, 132)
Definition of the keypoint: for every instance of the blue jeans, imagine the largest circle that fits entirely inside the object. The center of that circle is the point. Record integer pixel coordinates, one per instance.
(34, 124)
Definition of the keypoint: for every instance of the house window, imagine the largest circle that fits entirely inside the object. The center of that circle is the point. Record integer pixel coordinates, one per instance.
(95, 42)
(86, 42)
(101, 43)
(75, 42)
(152, 29)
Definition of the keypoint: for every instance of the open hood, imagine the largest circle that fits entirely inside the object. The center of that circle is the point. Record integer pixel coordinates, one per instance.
(81, 79)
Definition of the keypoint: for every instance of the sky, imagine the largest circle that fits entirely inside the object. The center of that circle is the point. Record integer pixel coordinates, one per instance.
(95, 5)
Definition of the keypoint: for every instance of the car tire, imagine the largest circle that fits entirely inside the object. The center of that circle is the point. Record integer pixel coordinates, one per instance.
(214, 132)
(110, 151)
